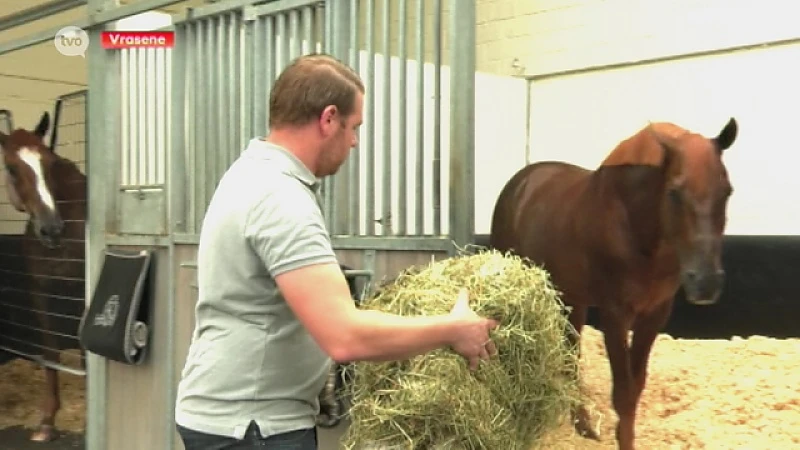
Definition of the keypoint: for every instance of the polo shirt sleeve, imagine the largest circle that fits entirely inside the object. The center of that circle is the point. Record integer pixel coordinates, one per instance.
(287, 231)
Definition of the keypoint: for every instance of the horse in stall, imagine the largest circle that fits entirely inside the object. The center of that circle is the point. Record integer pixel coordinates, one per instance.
(624, 238)
(51, 190)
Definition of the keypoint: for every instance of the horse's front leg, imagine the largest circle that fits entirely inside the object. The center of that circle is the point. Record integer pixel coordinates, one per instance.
(645, 331)
(52, 403)
(51, 353)
(623, 395)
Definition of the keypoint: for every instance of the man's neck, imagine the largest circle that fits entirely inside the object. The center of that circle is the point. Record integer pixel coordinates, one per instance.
(297, 142)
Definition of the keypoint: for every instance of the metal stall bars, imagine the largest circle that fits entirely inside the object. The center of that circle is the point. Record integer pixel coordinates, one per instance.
(144, 141)
(232, 53)
(6, 121)
(409, 184)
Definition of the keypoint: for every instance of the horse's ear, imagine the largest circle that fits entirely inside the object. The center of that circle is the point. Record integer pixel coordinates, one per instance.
(671, 161)
(671, 158)
(727, 135)
(44, 124)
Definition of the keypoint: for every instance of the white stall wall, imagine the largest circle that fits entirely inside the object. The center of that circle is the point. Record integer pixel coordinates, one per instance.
(580, 118)
(500, 135)
(500, 140)
(554, 35)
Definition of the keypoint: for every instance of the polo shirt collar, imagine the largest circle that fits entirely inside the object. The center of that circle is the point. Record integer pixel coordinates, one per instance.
(267, 151)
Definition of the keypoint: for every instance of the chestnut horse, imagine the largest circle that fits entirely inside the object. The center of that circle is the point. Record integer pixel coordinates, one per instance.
(624, 238)
(51, 190)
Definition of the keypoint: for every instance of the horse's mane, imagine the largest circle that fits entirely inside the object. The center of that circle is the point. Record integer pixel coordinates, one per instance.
(644, 148)
(69, 166)
(73, 181)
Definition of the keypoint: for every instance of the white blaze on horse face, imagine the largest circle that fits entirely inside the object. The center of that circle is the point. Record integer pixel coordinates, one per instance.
(34, 160)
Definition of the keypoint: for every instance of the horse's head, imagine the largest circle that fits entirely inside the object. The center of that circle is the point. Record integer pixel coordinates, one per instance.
(694, 204)
(29, 182)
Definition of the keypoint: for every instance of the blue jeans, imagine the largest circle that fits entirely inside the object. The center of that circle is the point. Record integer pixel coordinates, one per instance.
(293, 440)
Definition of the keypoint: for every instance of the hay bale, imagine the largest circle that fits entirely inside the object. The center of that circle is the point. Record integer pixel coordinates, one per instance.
(434, 401)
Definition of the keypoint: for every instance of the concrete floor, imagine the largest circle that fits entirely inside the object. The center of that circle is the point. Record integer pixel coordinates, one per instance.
(329, 437)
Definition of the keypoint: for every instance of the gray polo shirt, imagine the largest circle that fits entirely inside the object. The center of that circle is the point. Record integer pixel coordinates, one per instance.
(250, 358)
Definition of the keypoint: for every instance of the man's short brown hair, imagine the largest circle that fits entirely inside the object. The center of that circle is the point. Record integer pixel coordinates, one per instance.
(308, 85)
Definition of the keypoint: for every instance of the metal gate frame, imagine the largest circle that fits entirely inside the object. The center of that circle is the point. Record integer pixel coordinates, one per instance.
(339, 206)
(462, 63)
(102, 159)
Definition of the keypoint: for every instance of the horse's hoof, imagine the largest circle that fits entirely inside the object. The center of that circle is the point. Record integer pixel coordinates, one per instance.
(45, 433)
(587, 432)
(583, 426)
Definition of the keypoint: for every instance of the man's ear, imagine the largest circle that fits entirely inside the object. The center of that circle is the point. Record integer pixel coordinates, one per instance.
(329, 113)
(328, 118)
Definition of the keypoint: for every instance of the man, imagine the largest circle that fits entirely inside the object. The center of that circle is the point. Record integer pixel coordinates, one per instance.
(274, 307)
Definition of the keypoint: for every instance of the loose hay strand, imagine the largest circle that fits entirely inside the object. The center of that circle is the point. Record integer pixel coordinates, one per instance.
(433, 401)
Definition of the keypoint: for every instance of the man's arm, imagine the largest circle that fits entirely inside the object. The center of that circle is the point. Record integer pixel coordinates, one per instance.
(288, 233)
(319, 296)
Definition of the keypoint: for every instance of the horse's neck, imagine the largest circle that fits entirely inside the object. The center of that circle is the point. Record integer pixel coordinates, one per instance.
(71, 192)
(637, 191)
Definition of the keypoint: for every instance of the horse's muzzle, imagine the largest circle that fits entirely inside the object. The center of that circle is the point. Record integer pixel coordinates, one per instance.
(50, 232)
(703, 287)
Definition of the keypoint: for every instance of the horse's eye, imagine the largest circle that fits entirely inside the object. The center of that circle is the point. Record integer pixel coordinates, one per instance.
(11, 171)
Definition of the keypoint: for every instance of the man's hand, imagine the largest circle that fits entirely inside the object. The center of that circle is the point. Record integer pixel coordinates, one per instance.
(470, 337)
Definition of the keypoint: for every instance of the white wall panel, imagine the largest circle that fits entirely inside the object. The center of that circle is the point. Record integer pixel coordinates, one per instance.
(580, 118)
